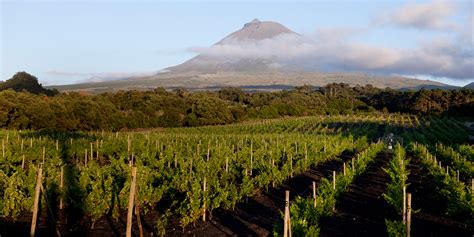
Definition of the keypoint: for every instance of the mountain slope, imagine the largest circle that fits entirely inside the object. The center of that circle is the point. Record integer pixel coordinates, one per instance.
(469, 86)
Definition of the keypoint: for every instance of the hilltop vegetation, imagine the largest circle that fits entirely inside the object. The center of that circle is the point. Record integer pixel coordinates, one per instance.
(23, 81)
(161, 108)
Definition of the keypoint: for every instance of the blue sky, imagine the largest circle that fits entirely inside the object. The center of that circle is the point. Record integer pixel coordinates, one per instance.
(63, 42)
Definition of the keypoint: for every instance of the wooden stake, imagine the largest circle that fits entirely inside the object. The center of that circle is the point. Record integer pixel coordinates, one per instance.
(137, 213)
(408, 214)
(44, 153)
(251, 158)
(61, 185)
(36, 202)
(287, 228)
(344, 168)
(226, 164)
(57, 145)
(130, 202)
(22, 145)
(404, 203)
(204, 197)
(23, 163)
(314, 194)
(334, 180)
(353, 165)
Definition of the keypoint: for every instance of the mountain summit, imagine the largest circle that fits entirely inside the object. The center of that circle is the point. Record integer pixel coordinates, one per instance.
(257, 30)
(245, 50)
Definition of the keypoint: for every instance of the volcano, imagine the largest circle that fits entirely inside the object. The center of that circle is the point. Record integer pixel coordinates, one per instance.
(262, 54)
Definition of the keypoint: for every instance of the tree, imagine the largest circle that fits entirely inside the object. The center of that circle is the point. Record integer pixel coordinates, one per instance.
(23, 81)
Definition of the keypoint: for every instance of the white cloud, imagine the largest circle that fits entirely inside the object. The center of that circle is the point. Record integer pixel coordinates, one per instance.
(433, 15)
(437, 57)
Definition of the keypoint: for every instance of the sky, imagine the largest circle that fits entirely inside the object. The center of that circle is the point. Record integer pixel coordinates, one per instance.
(65, 42)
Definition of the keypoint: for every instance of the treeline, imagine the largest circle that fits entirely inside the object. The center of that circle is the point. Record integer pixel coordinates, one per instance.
(160, 108)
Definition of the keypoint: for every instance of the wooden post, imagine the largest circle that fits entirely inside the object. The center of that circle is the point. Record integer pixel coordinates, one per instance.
(353, 165)
(92, 152)
(44, 153)
(23, 163)
(314, 194)
(61, 185)
(227, 164)
(204, 197)
(334, 180)
(22, 145)
(137, 213)
(36, 202)
(286, 227)
(85, 157)
(130, 202)
(57, 145)
(408, 225)
(251, 158)
(344, 168)
(404, 203)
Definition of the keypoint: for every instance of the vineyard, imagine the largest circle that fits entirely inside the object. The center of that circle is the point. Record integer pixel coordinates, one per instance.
(342, 179)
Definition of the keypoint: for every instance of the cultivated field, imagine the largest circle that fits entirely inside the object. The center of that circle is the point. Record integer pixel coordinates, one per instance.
(342, 178)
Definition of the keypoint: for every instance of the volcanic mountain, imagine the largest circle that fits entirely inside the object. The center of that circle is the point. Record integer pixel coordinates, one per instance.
(261, 55)
(218, 58)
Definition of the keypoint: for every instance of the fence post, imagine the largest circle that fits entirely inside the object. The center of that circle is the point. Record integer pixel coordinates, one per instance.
(36, 202)
(204, 197)
(314, 194)
(404, 203)
(408, 214)
(130, 202)
(287, 227)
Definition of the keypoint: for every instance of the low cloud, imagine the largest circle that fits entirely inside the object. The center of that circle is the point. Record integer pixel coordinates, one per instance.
(432, 15)
(97, 76)
(436, 58)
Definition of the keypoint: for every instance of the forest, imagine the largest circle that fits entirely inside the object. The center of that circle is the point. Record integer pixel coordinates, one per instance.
(24, 108)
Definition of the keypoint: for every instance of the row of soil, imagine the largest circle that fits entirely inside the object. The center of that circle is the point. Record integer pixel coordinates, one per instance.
(258, 215)
(361, 210)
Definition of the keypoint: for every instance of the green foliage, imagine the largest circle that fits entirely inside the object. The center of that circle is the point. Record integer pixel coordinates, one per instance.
(398, 172)
(395, 228)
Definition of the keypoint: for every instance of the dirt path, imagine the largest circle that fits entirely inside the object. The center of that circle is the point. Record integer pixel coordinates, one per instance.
(361, 210)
